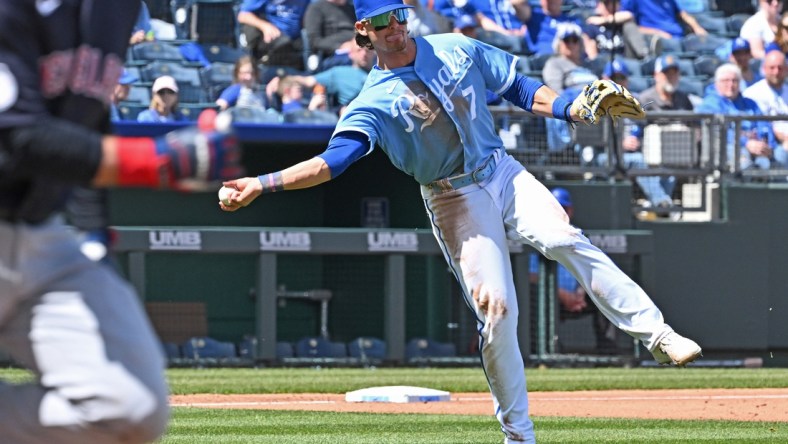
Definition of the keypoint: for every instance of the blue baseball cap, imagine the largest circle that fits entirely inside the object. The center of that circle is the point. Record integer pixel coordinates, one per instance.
(740, 44)
(666, 62)
(127, 78)
(615, 67)
(465, 21)
(563, 197)
(370, 8)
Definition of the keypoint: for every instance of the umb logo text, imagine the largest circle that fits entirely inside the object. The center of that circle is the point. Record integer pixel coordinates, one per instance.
(387, 241)
(175, 240)
(610, 243)
(285, 241)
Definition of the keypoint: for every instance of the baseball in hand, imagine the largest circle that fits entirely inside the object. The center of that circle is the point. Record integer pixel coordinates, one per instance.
(224, 195)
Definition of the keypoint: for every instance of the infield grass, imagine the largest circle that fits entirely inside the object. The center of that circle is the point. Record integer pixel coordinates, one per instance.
(190, 426)
(209, 426)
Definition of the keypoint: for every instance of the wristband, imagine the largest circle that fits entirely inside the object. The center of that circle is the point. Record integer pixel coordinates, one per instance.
(139, 164)
(271, 182)
(562, 109)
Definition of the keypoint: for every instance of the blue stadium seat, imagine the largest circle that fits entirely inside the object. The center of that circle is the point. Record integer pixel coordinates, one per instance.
(318, 347)
(244, 114)
(427, 348)
(247, 348)
(706, 64)
(222, 53)
(191, 111)
(735, 22)
(697, 45)
(130, 111)
(139, 94)
(171, 351)
(219, 73)
(184, 75)
(692, 85)
(639, 83)
(208, 348)
(153, 51)
(308, 117)
(367, 347)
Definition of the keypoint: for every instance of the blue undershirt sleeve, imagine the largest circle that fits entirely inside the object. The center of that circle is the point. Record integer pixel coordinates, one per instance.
(522, 92)
(344, 149)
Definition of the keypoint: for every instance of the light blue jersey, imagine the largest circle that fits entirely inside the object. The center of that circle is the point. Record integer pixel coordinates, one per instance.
(431, 118)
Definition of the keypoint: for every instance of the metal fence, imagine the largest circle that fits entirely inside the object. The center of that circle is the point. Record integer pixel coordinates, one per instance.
(682, 154)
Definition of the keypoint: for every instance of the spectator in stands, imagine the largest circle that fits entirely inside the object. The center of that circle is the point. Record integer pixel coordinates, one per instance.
(121, 93)
(543, 23)
(656, 189)
(780, 42)
(466, 25)
(422, 21)
(142, 31)
(771, 95)
(163, 103)
(245, 90)
(451, 9)
(568, 56)
(290, 94)
(330, 27)
(615, 31)
(741, 55)
(665, 93)
(342, 82)
(663, 18)
(757, 137)
(760, 29)
(272, 30)
(574, 302)
(500, 25)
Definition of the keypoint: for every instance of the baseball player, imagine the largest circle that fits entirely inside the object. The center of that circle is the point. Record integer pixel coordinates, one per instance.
(81, 330)
(423, 104)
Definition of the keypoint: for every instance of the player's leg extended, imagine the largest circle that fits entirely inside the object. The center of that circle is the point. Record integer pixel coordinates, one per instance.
(82, 331)
(536, 218)
(474, 244)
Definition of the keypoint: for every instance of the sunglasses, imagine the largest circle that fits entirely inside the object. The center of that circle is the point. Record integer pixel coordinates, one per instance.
(381, 21)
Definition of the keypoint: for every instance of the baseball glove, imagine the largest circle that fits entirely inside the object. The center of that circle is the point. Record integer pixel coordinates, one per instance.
(606, 98)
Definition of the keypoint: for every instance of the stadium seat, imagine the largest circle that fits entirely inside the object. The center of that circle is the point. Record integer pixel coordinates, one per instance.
(208, 348)
(691, 85)
(130, 111)
(537, 61)
(367, 347)
(153, 51)
(706, 64)
(244, 114)
(222, 53)
(639, 83)
(731, 7)
(427, 348)
(318, 347)
(139, 94)
(192, 94)
(696, 45)
(247, 348)
(671, 46)
(184, 75)
(219, 73)
(597, 66)
(714, 25)
(309, 117)
(735, 22)
(191, 111)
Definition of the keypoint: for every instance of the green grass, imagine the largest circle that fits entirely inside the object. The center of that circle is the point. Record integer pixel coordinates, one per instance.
(208, 426)
(308, 380)
(255, 426)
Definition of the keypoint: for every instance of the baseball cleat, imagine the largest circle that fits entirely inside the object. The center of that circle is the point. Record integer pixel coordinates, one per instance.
(676, 349)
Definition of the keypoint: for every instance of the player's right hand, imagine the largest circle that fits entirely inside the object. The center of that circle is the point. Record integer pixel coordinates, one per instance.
(249, 188)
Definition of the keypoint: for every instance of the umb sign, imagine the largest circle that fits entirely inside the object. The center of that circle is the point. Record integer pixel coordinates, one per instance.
(285, 241)
(609, 243)
(390, 241)
(174, 240)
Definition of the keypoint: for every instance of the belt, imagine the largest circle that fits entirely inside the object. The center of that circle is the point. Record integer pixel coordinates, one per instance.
(463, 180)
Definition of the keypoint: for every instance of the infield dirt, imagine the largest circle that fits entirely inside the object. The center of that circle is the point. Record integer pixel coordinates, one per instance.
(702, 404)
